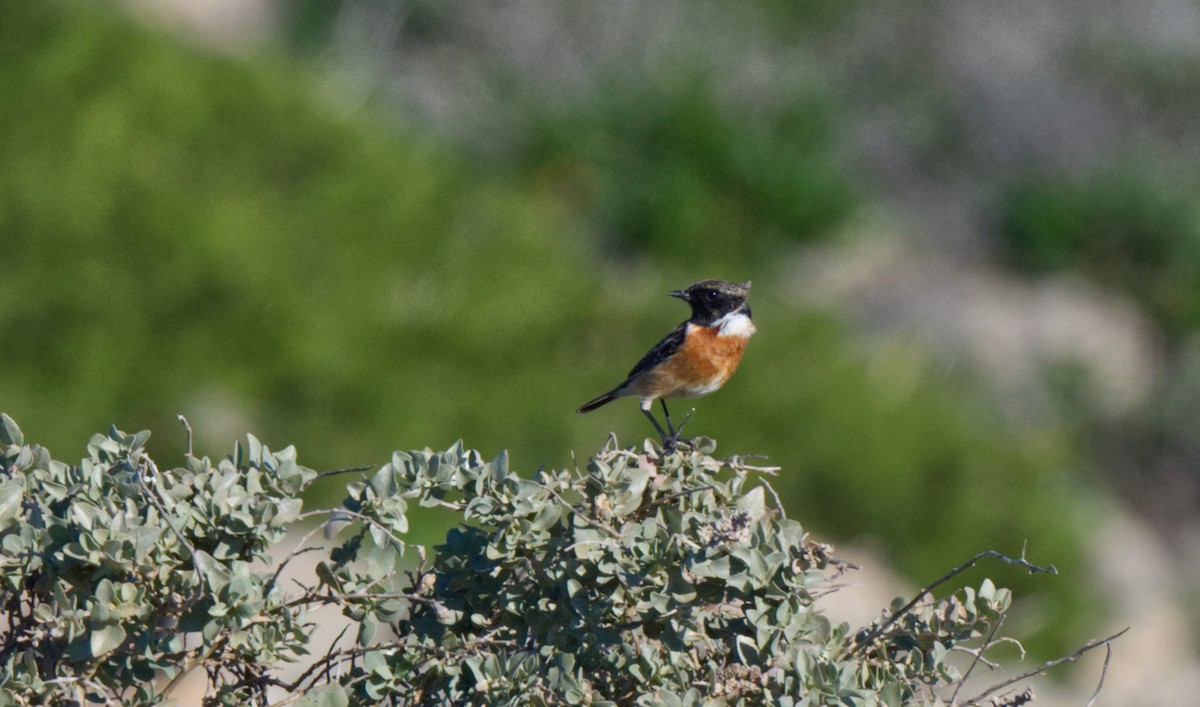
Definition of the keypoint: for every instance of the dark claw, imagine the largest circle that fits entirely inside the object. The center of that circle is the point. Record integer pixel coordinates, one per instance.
(670, 436)
(672, 443)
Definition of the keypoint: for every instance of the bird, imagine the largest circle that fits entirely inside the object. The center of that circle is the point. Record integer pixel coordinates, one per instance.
(696, 358)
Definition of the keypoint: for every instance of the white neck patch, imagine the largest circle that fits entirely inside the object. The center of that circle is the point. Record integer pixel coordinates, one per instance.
(735, 324)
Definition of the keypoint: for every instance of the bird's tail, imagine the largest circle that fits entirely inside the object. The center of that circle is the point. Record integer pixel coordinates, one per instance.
(598, 402)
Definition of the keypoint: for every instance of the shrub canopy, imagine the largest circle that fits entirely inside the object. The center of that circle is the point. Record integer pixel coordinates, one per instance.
(643, 578)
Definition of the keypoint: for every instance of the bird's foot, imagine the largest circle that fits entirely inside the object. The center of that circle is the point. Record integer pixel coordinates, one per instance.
(671, 442)
(673, 438)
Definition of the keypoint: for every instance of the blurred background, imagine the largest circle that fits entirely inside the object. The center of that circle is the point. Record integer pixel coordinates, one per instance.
(973, 230)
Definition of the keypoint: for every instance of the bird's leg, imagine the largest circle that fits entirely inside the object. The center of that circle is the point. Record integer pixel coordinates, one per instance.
(669, 444)
(657, 427)
(667, 414)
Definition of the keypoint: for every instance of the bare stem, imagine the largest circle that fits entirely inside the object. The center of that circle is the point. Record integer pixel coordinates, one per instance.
(581, 515)
(347, 470)
(861, 643)
(1103, 674)
(186, 426)
(1041, 669)
(978, 657)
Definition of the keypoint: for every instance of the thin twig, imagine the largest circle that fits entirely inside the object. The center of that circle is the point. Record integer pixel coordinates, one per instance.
(586, 518)
(326, 662)
(826, 588)
(737, 464)
(979, 651)
(778, 503)
(661, 501)
(348, 686)
(187, 427)
(680, 494)
(352, 514)
(1103, 675)
(333, 646)
(1014, 699)
(356, 651)
(618, 451)
(199, 659)
(151, 495)
(842, 567)
(605, 543)
(978, 657)
(335, 472)
(830, 584)
(1069, 658)
(332, 598)
(879, 630)
(300, 548)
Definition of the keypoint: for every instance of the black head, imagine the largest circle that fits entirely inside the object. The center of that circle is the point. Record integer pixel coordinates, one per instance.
(712, 299)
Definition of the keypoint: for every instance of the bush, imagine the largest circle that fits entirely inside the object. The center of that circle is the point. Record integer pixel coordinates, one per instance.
(644, 579)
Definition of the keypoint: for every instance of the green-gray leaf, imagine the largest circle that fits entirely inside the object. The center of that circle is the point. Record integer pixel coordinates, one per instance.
(106, 639)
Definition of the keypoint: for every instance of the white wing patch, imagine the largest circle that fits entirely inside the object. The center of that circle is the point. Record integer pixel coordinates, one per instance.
(735, 324)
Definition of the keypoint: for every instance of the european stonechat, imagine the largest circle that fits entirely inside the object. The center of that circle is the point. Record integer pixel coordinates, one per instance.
(695, 359)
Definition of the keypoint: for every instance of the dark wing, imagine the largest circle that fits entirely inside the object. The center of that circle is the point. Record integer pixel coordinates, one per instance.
(662, 350)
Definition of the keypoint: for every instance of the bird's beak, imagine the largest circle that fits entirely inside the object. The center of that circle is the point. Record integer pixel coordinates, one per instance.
(681, 294)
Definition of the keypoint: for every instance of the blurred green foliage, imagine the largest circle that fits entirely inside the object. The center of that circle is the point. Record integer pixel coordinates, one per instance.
(181, 232)
(664, 170)
(178, 225)
(1122, 227)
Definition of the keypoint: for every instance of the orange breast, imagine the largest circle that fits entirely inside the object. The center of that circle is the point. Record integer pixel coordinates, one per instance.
(701, 365)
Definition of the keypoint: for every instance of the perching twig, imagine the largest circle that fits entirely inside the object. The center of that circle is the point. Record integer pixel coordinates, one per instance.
(1069, 658)
(861, 643)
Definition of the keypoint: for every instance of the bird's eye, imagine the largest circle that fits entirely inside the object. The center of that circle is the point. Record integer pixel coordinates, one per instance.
(712, 294)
